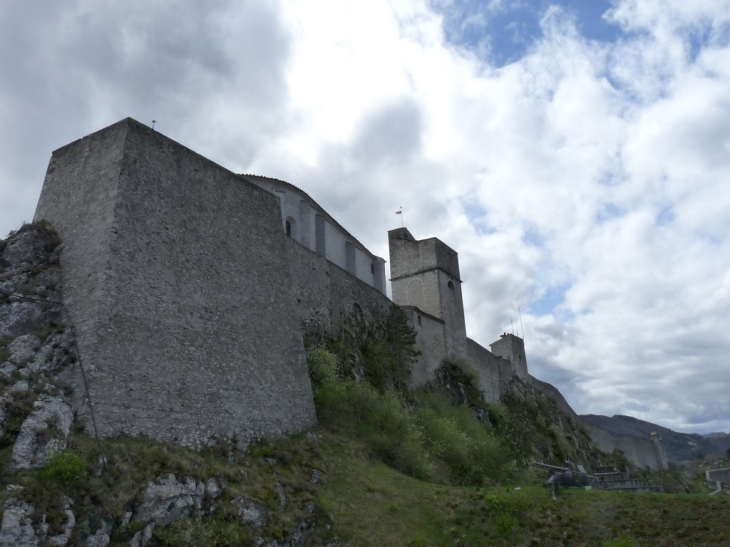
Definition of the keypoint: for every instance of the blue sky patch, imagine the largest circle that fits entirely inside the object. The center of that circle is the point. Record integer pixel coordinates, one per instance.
(665, 216)
(504, 31)
(554, 296)
(608, 211)
(477, 215)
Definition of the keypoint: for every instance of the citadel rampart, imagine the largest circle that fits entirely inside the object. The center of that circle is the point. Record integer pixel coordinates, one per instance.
(190, 288)
(324, 293)
(177, 285)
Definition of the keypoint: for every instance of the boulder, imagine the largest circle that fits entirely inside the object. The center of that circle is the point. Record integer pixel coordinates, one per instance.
(101, 537)
(251, 511)
(43, 433)
(25, 247)
(166, 500)
(23, 348)
(20, 317)
(17, 527)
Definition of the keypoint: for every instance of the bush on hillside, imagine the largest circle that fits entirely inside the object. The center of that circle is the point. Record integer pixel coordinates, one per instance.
(388, 352)
(470, 452)
(323, 366)
(425, 436)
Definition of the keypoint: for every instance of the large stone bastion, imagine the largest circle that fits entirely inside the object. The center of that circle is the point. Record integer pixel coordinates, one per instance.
(176, 284)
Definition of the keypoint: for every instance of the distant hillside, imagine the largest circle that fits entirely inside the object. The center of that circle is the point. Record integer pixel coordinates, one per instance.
(679, 446)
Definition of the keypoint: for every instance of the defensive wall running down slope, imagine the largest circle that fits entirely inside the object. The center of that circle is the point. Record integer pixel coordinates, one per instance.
(189, 288)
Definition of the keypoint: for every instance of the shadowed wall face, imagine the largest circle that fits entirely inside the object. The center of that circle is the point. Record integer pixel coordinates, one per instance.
(177, 284)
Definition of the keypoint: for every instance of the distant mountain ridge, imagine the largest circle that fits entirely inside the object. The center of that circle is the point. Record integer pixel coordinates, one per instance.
(678, 446)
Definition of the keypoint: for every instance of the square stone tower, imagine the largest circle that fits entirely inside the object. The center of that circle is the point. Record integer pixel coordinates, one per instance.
(512, 348)
(425, 274)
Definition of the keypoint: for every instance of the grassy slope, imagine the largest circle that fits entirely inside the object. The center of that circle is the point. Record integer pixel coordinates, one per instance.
(374, 505)
(365, 502)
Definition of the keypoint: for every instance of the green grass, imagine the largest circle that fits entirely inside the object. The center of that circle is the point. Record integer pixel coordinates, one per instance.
(363, 500)
(398, 468)
(372, 504)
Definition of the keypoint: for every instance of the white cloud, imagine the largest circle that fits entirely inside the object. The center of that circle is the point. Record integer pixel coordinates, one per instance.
(589, 174)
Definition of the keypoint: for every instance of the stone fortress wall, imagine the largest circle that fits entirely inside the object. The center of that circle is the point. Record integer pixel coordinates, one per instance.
(189, 288)
(306, 222)
(176, 280)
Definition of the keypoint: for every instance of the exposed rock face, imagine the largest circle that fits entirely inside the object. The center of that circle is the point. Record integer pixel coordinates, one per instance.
(34, 349)
(29, 280)
(23, 349)
(36, 415)
(43, 433)
(251, 511)
(100, 538)
(167, 500)
(17, 527)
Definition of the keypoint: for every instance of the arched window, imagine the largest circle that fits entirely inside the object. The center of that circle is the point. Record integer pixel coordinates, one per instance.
(288, 228)
(451, 285)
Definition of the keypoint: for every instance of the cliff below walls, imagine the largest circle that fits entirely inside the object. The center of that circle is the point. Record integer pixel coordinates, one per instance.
(678, 446)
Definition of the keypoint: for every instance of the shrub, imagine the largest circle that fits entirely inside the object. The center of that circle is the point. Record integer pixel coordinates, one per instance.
(470, 452)
(461, 369)
(379, 419)
(64, 468)
(388, 352)
(497, 415)
(323, 366)
(621, 541)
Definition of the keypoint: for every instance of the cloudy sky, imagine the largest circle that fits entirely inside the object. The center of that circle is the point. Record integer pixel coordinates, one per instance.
(576, 153)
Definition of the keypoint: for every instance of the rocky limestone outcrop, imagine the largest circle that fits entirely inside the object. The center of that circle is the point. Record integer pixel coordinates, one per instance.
(34, 347)
(29, 280)
(43, 433)
(17, 527)
(36, 416)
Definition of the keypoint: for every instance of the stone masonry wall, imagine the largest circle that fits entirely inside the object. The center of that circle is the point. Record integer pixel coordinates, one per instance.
(420, 290)
(176, 281)
(430, 341)
(494, 372)
(452, 312)
(324, 292)
(417, 256)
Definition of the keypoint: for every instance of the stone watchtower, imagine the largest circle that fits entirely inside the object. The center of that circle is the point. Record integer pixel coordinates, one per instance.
(511, 348)
(425, 274)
